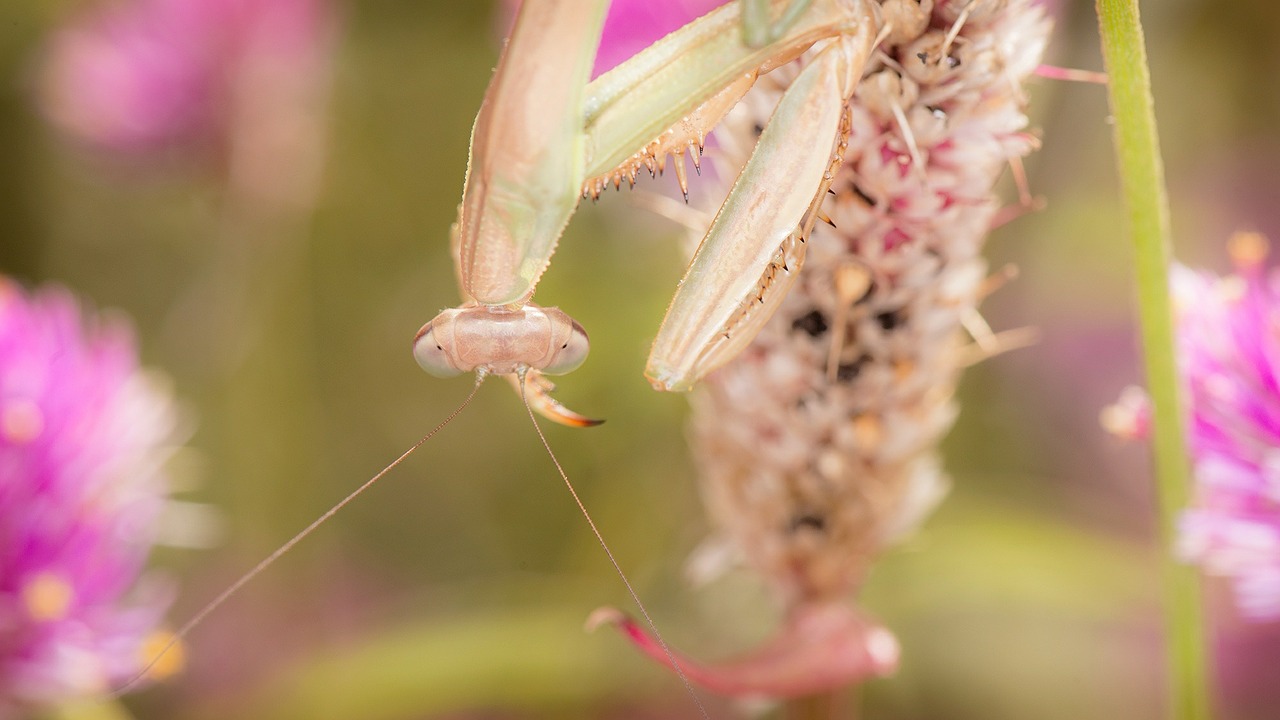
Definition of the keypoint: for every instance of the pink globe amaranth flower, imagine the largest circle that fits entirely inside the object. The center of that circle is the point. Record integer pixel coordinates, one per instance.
(140, 75)
(83, 434)
(633, 26)
(1229, 349)
(630, 26)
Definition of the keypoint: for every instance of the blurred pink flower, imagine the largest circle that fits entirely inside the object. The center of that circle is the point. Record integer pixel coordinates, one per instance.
(1229, 349)
(1129, 417)
(83, 433)
(633, 26)
(139, 75)
(630, 26)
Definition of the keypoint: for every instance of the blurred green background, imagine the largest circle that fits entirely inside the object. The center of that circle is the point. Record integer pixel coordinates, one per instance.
(457, 587)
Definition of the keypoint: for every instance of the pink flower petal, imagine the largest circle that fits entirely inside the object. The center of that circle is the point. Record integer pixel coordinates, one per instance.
(1230, 363)
(630, 26)
(83, 431)
(147, 75)
(821, 647)
(633, 25)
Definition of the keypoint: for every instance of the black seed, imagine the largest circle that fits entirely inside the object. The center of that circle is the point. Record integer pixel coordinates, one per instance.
(810, 521)
(891, 320)
(759, 129)
(864, 196)
(847, 372)
(814, 323)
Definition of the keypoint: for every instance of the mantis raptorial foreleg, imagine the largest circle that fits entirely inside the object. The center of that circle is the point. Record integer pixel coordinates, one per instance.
(676, 90)
(543, 137)
(526, 151)
(523, 180)
(754, 249)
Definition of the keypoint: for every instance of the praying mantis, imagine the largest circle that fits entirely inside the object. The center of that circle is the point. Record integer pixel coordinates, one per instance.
(545, 137)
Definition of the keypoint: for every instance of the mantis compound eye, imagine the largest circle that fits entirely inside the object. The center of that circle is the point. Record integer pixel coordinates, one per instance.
(431, 355)
(571, 353)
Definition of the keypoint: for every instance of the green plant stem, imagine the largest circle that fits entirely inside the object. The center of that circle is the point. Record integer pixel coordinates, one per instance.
(1142, 179)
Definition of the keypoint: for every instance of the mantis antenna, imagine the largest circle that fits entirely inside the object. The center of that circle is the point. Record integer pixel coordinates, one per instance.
(635, 597)
(268, 560)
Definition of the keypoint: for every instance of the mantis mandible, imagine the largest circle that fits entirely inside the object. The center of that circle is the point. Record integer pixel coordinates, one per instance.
(545, 137)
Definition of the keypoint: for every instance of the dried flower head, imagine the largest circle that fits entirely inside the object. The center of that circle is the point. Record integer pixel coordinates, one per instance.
(817, 446)
(1229, 350)
(83, 433)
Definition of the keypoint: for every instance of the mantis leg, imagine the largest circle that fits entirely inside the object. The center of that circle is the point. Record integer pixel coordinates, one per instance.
(525, 169)
(630, 109)
(526, 166)
(543, 135)
(753, 250)
(756, 28)
(542, 131)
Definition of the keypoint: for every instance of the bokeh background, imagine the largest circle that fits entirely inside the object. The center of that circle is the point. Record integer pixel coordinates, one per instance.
(458, 586)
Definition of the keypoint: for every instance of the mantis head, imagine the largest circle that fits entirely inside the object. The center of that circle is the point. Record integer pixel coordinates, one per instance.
(500, 340)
